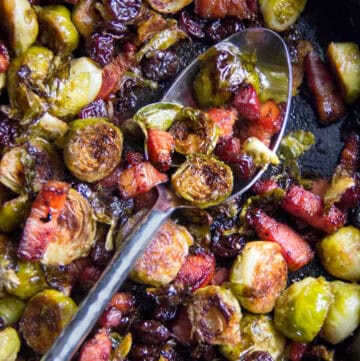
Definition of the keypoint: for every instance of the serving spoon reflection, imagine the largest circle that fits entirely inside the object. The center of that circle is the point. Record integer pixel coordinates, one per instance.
(271, 52)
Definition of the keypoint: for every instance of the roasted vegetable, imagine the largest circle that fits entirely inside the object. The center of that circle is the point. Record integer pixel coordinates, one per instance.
(14, 212)
(215, 316)
(11, 309)
(280, 14)
(60, 227)
(345, 61)
(203, 181)
(339, 253)
(295, 144)
(194, 132)
(49, 127)
(224, 118)
(258, 333)
(97, 348)
(344, 312)
(9, 344)
(45, 316)
(123, 349)
(92, 148)
(168, 6)
(164, 256)
(20, 24)
(260, 153)
(12, 172)
(258, 276)
(301, 310)
(85, 17)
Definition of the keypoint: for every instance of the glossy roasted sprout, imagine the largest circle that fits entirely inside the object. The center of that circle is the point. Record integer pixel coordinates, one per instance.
(344, 312)
(92, 148)
(301, 310)
(203, 180)
(9, 344)
(339, 253)
(11, 310)
(85, 17)
(258, 276)
(258, 333)
(49, 127)
(215, 316)
(12, 172)
(13, 213)
(164, 256)
(45, 316)
(168, 6)
(260, 153)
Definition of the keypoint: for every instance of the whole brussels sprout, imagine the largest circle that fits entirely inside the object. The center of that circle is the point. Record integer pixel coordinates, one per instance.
(57, 30)
(194, 132)
(164, 256)
(258, 276)
(45, 316)
(344, 313)
(14, 212)
(258, 333)
(20, 24)
(340, 253)
(92, 148)
(215, 316)
(301, 310)
(9, 344)
(203, 180)
(11, 310)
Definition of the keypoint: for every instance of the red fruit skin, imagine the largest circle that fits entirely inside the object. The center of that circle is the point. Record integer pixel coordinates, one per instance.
(98, 348)
(41, 225)
(181, 328)
(229, 149)
(4, 58)
(110, 318)
(218, 9)
(350, 155)
(308, 207)
(265, 186)
(247, 103)
(160, 146)
(221, 275)
(295, 249)
(197, 271)
(224, 118)
(297, 351)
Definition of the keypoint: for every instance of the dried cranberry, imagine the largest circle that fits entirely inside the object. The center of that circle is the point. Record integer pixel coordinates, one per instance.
(247, 103)
(192, 24)
(101, 48)
(96, 109)
(123, 10)
(116, 28)
(258, 356)
(152, 332)
(165, 295)
(8, 132)
(110, 318)
(144, 353)
(228, 246)
(228, 149)
(99, 255)
(164, 313)
(133, 158)
(244, 168)
(220, 29)
(163, 65)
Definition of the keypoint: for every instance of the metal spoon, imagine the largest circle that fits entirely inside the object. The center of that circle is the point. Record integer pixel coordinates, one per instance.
(271, 51)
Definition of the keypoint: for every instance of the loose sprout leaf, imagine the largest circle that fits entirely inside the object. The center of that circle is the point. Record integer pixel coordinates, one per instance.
(261, 154)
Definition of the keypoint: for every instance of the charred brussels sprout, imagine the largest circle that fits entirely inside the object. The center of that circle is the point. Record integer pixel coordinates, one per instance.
(215, 316)
(57, 30)
(164, 256)
(344, 313)
(14, 212)
(194, 132)
(221, 73)
(45, 316)
(11, 309)
(92, 149)
(340, 253)
(258, 333)
(203, 181)
(301, 310)
(20, 24)
(258, 276)
(9, 344)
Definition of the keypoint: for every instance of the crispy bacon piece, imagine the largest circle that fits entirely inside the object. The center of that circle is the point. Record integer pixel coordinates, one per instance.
(309, 208)
(350, 155)
(295, 249)
(328, 101)
(247, 103)
(197, 271)
(139, 178)
(242, 9)
(98, 348)
(319, 187)
(265, 186)
(4, 58)
(41, 224)
(160, 146)
(224, 118)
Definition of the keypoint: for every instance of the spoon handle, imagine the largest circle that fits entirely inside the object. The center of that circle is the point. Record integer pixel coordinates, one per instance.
(112, 278)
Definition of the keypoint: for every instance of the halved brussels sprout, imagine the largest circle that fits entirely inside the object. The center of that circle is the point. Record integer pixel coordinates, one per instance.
(7, 264)
(344, 313)
(12, 172)
(215, 316)
(85, 17)
(9, 344)
(49, 127)
(340, 253)
(11, 309)
(20, 24)
(258, 333)
(164, 256)
(80, 89)
(260, 153)
(194, 132)
(301, 310)
(92, 148)
(258, 276)
(57, 30)
(168, 6)
(45, 316)
(14, 212)
(203, 180)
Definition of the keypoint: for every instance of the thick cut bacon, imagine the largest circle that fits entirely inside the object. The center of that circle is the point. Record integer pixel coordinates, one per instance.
(295, 249)
(224, 118)
(41, 224)
(328, 101)
(242, 9)
(265, 186)
(98, 348)
(308, 207)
